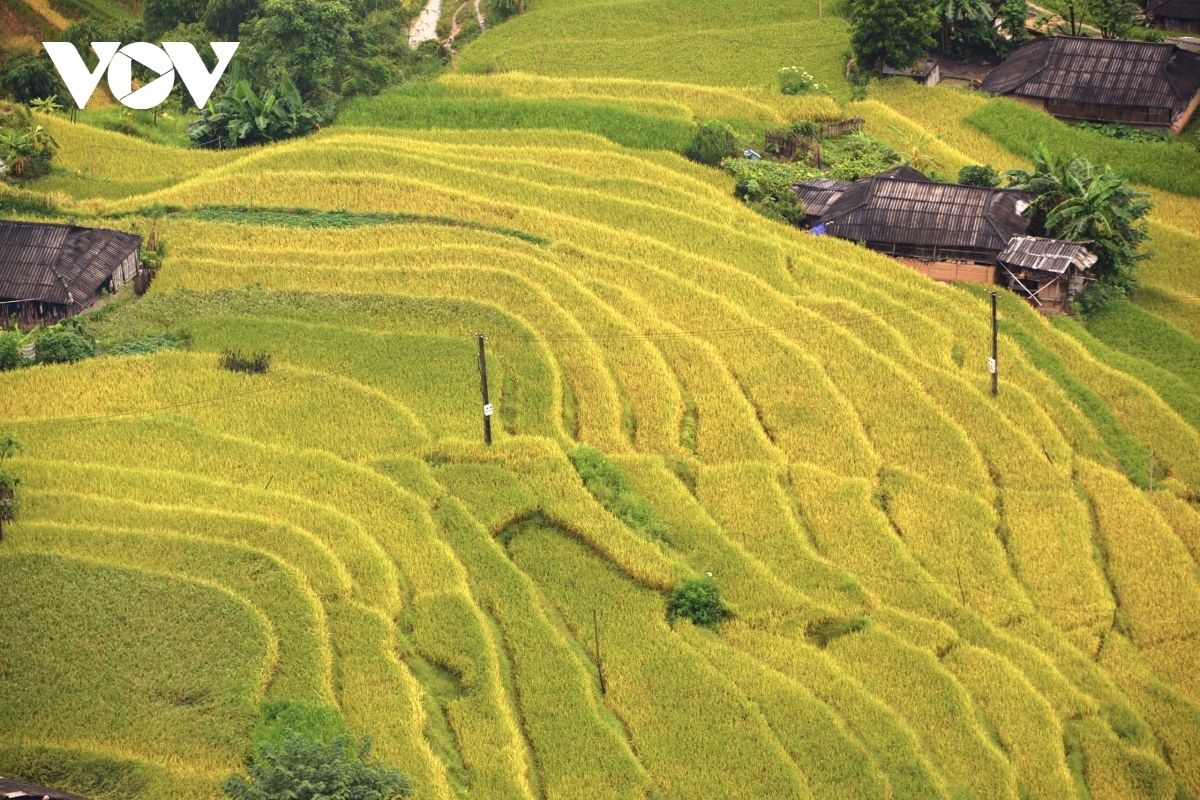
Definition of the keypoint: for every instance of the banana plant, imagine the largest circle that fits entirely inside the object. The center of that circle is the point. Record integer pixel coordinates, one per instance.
(23, 148)
(241, 117)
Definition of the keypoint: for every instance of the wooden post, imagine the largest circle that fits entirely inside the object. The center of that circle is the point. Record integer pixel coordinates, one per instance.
(993, 365)
(599, 662)
(483, 388)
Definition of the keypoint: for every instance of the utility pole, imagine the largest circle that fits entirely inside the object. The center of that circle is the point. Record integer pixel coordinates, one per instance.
(483, 388)
(992, 362)
(599, 663)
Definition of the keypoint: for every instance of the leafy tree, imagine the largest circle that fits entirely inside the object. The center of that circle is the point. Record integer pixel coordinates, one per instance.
(714, 142)
(1114, 18)
(31, 75)
(985, 175)
(225, 17)
(303, 41)
(951, 13)
(301, 769)
(1012, 15)
(697, 600)
(1071, 12)
(160, 16)
(891, 33)
(10, 445)
(240, 117)
(1078, 201)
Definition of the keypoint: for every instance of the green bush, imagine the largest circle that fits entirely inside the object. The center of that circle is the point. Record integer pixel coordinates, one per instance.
(793, 80)
(714, 142)
(64, 344)
(697, 600)
(857, 155)
(10, 352)
(1116, 130)
(607, 484)
(767, 187)
(240, 117)
(985, 175)
(300, 769)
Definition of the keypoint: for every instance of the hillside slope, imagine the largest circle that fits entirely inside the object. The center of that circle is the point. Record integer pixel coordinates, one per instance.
(933, 593)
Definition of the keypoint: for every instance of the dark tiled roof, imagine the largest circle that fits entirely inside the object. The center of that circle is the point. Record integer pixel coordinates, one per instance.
(925, 213)
(1100, 71)
(817, 195)
(1045, 255)
(19, 789)
(1173, 9)
(60, 264)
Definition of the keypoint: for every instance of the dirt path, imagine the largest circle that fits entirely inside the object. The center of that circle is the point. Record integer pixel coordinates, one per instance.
(479, 16)
(425, 28)
(455, 25)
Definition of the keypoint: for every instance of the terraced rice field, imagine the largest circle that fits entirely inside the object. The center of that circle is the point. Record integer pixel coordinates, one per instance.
(933, 593)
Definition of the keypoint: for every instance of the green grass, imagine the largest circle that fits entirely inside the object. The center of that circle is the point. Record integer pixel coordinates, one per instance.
(313, 218)
(431, 106)
(711, 42)
(1172, 167)
(1182, 395)
(1143, 335)
(149, 665)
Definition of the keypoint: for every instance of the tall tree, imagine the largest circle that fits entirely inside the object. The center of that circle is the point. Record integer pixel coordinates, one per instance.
(952, 12)
(1114, 18)
(891, 33)
(300, 40)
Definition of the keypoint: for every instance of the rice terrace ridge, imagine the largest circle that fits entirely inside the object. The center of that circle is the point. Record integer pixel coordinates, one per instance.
(555, 399)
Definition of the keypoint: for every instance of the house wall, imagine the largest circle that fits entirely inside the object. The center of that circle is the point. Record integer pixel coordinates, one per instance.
(125, 271)
(1093, 111)
(1034, 102)
(1173, 24)
(952, 271)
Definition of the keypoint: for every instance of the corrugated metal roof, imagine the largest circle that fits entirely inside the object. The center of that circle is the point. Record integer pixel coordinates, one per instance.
(60, 264)
(818, 195)
(1046, 255)
(1187, 43)
(17, 789)
(925, 213)
(1101, 72)
(1173, 9)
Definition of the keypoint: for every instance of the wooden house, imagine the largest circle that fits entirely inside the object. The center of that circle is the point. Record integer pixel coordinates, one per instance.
(1174, 15)
(1147, 84)
(926, 73)
(946, 231)
(1046, 272)
(48, 272)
